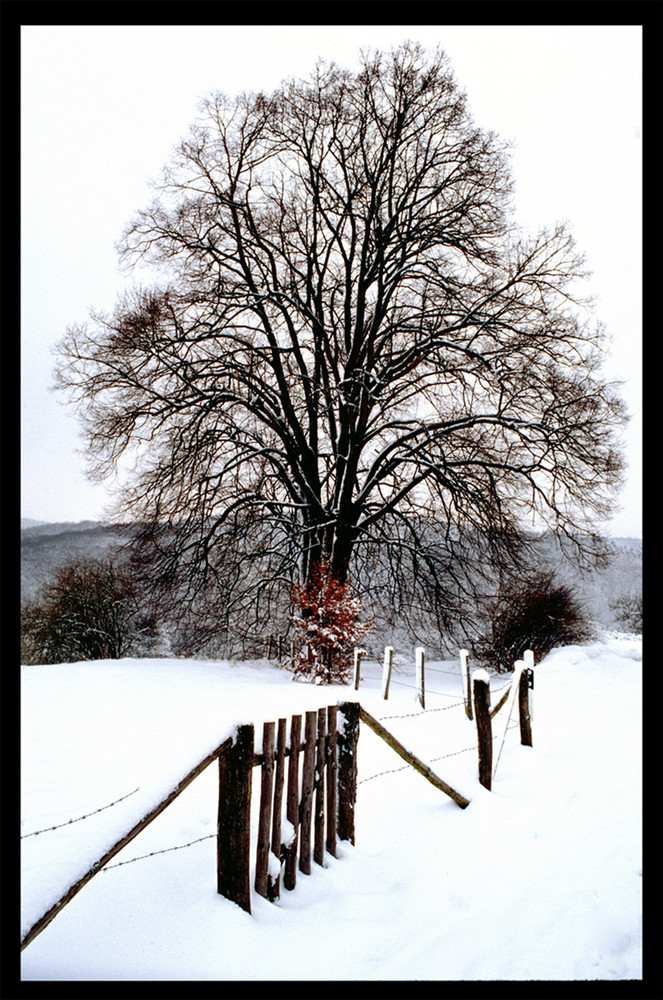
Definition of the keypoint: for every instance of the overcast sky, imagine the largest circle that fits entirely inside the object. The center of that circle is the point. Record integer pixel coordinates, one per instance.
(102, 108)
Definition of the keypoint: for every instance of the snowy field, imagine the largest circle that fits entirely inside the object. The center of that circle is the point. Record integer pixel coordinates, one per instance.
(539, 879)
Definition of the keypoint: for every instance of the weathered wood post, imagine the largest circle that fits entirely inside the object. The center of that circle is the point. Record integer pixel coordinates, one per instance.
(292, 655)
(319, 822)
(347, 769)
(274, 885)
(292, 804)
(467, 684)
(386, 670)
(308, 782)
(233, 828)
(481, 685)
(525, 686)
(332, 786)
(265, 814)
(420, 656)
(357, 667)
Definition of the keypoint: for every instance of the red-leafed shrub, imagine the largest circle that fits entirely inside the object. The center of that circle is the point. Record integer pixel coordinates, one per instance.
(327, 621)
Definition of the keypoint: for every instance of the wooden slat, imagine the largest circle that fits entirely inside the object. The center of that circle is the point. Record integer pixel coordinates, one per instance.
(234, 822)
(306, 805)
(319, 824)
(347, 770)
(292, 804)
(265, 813)
(332, 720)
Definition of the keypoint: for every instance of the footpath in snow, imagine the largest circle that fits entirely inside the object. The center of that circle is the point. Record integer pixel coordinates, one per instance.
(538, 879)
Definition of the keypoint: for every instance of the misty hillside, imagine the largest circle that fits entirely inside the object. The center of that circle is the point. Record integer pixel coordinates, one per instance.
(45, 547)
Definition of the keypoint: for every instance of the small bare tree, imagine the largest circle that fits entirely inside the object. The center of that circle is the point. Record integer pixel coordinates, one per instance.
(353, 356)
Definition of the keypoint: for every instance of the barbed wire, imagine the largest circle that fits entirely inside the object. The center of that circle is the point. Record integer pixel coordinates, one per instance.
(48, 829)
(164, 850)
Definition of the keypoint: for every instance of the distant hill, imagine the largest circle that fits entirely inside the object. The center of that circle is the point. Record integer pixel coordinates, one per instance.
(45, 547)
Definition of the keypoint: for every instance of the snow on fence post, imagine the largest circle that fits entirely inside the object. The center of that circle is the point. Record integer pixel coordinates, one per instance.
(386, 670)
(347, 770)
(233, 829)
(420, 656)
(525, 686)
(467, 685)
(481, 686)
(292, 804)
(357, 669)
(265, 814)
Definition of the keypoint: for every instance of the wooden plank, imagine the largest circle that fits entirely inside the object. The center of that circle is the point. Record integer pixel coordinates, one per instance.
(234, 821)
(76, 887)
(292, 803)
(332, 721)
(279, 781)
(481, 685)
(417, 764)
(265, 813)
(386, 670)
(308, 781)
(500, 703)
(467, 684)
(526, 682)
(319, 822)
(347, 770)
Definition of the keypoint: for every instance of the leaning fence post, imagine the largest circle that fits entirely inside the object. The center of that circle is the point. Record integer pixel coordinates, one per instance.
(386, 670)
(347, 770)
(526, 685)
(420, 655)
(467, 686)
(233, 829)
(481, 685)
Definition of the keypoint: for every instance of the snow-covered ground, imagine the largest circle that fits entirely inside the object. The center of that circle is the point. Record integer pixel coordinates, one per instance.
(538, 879)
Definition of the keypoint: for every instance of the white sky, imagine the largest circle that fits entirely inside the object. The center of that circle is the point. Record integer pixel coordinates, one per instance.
(103, 106)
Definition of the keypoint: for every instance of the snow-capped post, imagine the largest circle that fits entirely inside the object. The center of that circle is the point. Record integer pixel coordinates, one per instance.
(481, 686)
(467, 685)
(332, 787)
(357, 668)
(292, 805)
(526, 685)
(233, 830)
(265, 814)
(420, 656)
(386, 670)
(308, 782)
(347, 769)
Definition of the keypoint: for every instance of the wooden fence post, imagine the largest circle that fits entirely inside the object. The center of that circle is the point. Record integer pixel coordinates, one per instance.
(319, 822)
(467, 685)
(306, 805)
(274, 885)
(332, 787)
(292, 804)
(347, 770)
(420, 655)
(526, 684)
(386, 670)
(358, 653)
(233, 829)
(481, 684)
(265, 814)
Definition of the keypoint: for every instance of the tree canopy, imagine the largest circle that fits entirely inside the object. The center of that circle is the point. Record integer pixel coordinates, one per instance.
(352, 355)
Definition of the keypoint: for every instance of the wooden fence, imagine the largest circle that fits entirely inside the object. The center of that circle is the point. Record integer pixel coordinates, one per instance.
(319, 807)
(314, 818)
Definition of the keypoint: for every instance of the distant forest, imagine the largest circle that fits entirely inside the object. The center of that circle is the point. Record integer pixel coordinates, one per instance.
(47, 547)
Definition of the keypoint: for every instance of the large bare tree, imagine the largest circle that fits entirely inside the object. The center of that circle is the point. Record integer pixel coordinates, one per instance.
(352, 354)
